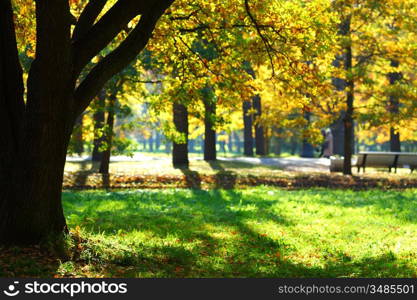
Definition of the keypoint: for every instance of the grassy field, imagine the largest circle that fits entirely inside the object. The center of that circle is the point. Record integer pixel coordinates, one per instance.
(257, 232)
(164, 167)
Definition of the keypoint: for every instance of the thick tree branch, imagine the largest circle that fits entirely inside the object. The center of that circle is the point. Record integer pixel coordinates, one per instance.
(117, 60)
(87, 18)
(105, 30)
(264, 39)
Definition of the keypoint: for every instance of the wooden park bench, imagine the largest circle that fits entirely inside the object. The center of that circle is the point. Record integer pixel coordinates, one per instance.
(390, 160)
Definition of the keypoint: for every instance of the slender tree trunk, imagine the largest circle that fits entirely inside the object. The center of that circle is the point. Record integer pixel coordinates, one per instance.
(210, 152)
(108, 136)
(247, 129)
(338, 136)
(342, 129)
(230, 142)
(259, 130)
(307, 149)
(180, 150)
(349, 86)
(394, 103)
(395, 142)
(348, 120)
(99, 119)
(157, 140)
(151, 142)
(238, 143)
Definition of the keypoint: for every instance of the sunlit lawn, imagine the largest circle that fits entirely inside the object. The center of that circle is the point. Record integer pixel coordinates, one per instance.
(258, 232)
(163, 167)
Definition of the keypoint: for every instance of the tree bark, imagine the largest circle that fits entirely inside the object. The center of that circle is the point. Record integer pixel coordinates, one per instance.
(307, 150)
(348, 120)
(247, 129)
(108, 136)
(37, 133)
(210, 152)
(338, 136)
(99, 138)
(395, 141)
(180, 150)
(11, 97)
(394, 105)
(349, 86)
(32, 210)
(77, 136)
(259, 130)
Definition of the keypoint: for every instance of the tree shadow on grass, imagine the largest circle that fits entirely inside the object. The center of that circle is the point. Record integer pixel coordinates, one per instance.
(192, 178)
(28, 262)
(201, 233)
(224, 179)
(245, 165)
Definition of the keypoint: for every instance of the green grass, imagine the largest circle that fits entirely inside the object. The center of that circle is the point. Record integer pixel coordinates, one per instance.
(258, 232)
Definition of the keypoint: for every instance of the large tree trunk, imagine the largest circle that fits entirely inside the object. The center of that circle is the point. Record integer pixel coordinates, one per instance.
(180, 150)
(11, 97)
(247, 129)
(394, 105)
(31, 206)
(11, 113)
(209, 131)
(36, 133)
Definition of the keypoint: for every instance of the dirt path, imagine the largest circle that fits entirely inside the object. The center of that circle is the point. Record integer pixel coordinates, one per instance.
(288, 164)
